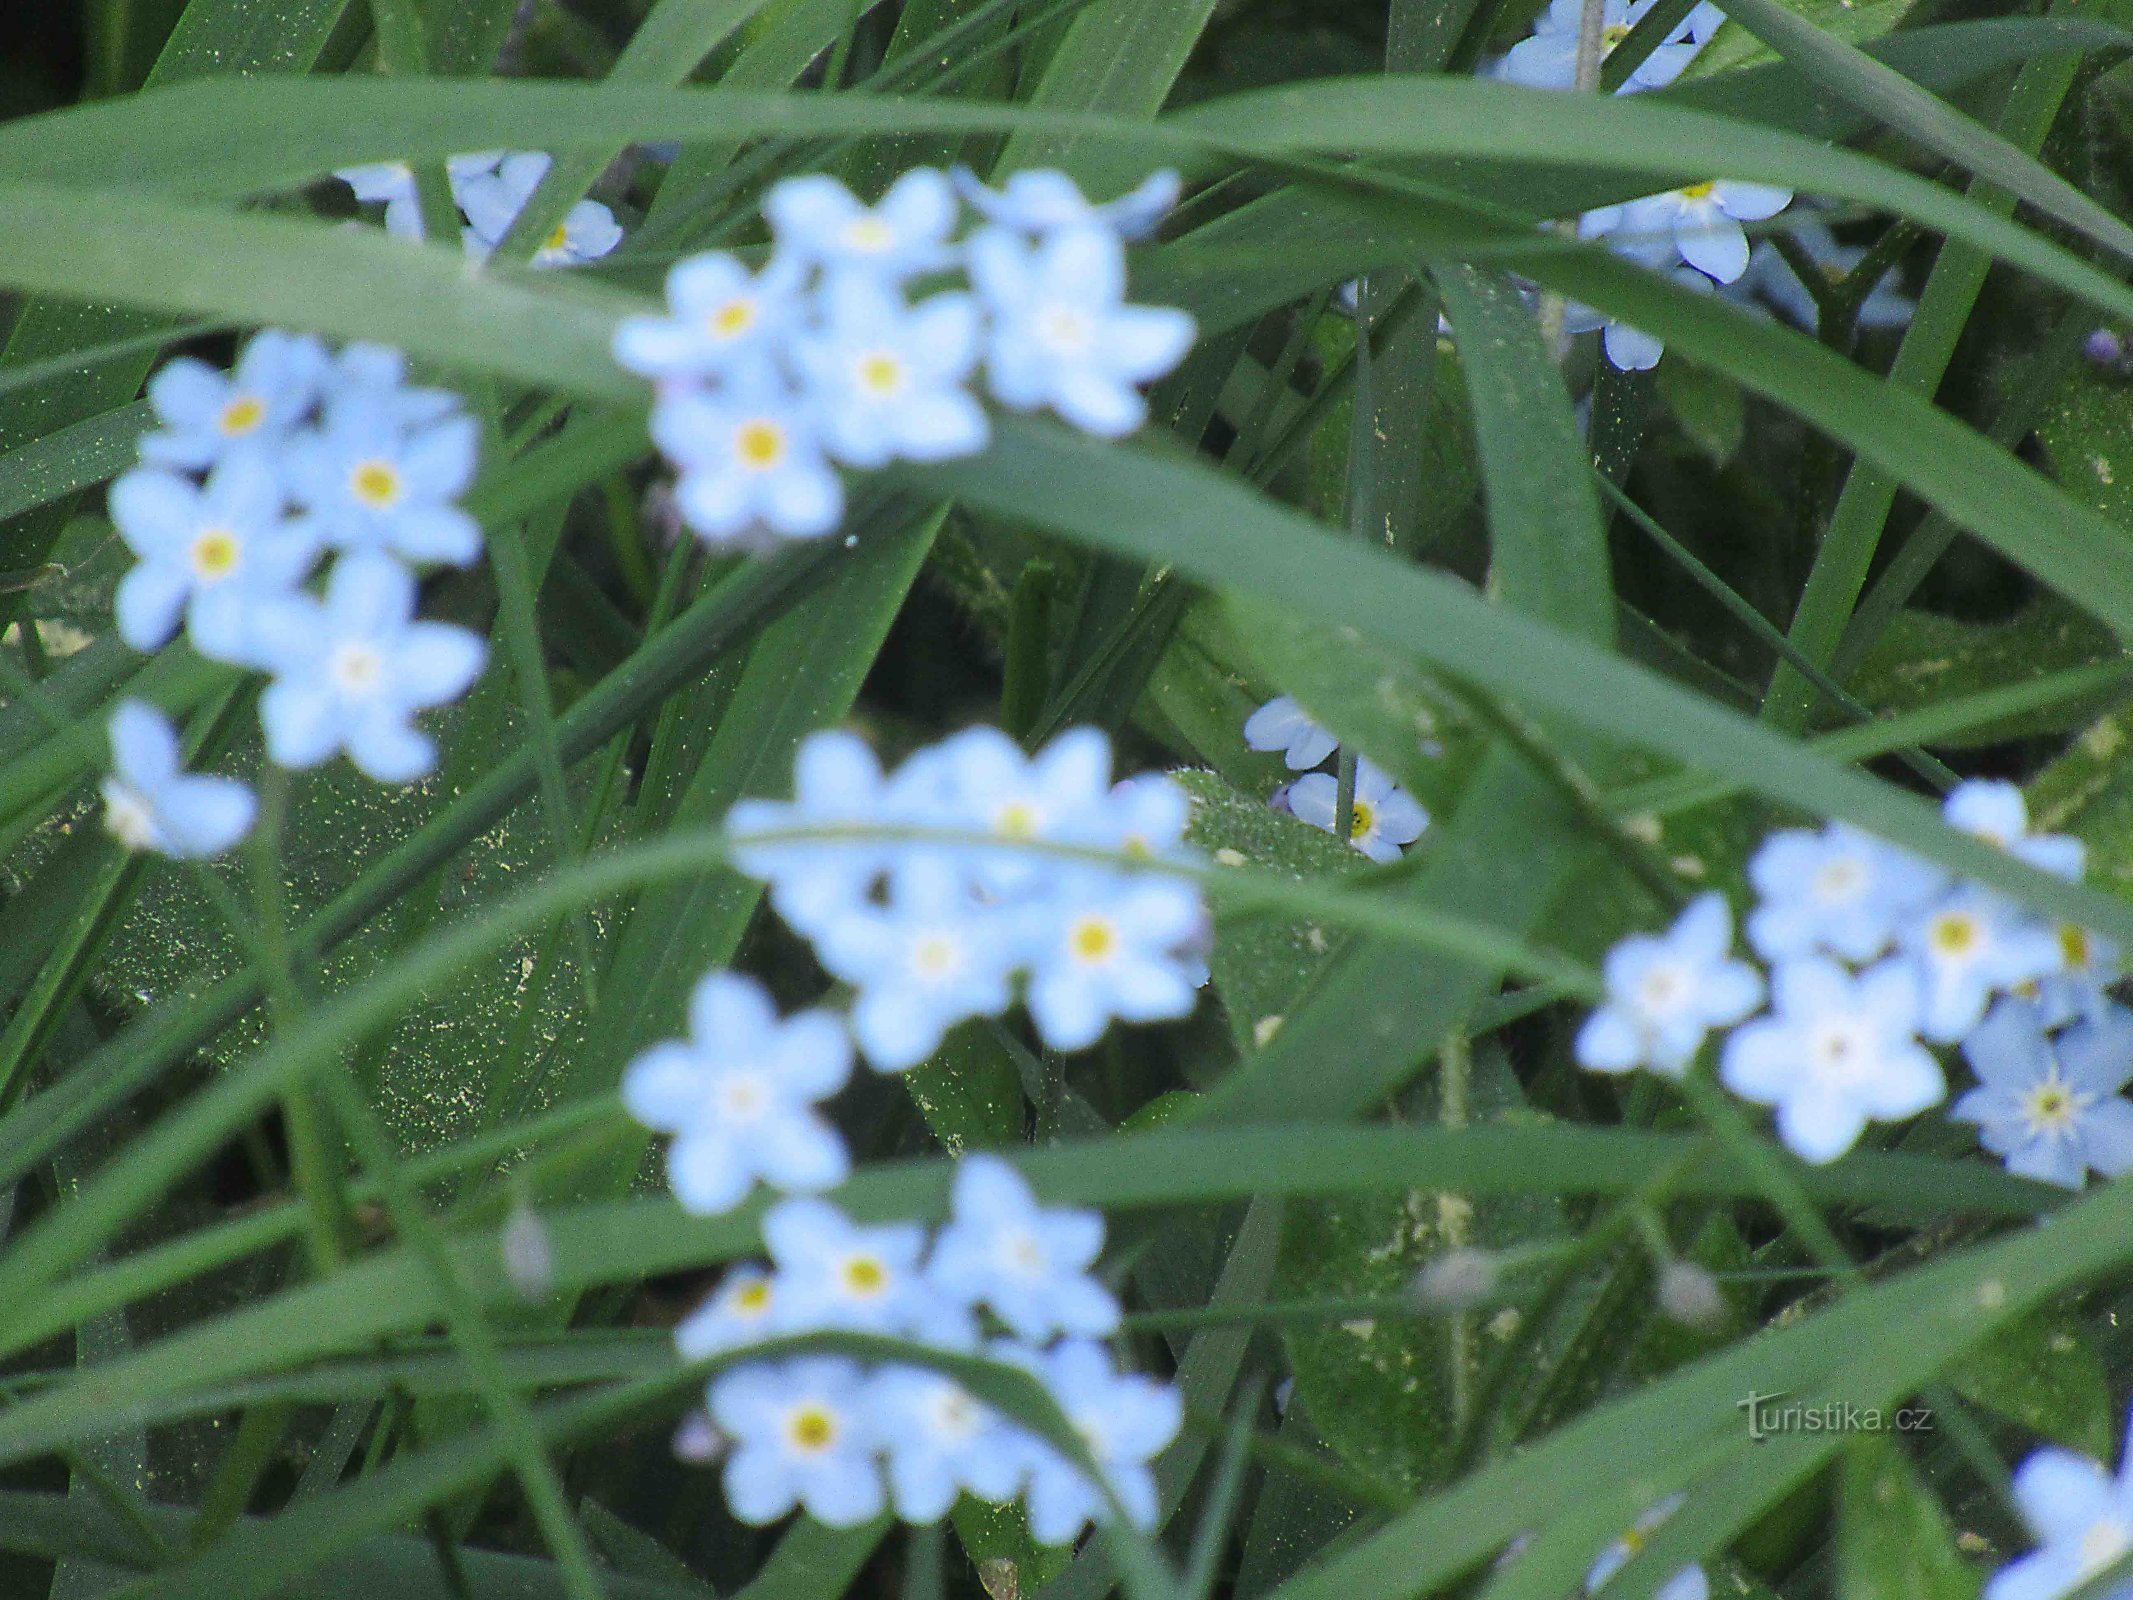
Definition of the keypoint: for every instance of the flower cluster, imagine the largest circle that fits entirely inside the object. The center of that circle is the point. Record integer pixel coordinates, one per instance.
(1004, 1278)
(489, 190)
(1382, 817)
(253, 479)
(936, 927)
(851, 347)
(1874, 956)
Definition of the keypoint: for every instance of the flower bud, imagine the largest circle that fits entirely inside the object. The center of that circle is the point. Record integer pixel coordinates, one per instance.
(1690, 1295)
(1456, 1281)
(529, 1259)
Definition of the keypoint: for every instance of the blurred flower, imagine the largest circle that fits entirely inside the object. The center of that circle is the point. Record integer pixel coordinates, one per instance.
(1030, 1265)
(940, 1441)
(803, 1435)
(1041, 201)
(1124, 1419)
(1666, 991)
(152, 803)
(1281, 724)
(818, 220)
(2082, 1518)
(1967, 947)
(1838, 890)
(207, 414)
(888, 380)
(492, 201)
(833, 1273)
(371, 483)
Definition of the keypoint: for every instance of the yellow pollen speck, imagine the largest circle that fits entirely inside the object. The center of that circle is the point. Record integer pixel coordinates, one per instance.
(242, 415)
(214, 553)
(759, 443)
(1360, 819)
(375, 483)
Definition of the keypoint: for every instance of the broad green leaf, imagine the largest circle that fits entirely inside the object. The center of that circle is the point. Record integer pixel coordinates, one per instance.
(2044, 1373)
(1893, 1540)
(1922, 658)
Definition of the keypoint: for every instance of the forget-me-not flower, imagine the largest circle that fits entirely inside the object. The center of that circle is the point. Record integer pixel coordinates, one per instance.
(2082, 1517)
(1382, 818)
(1031, 1265)
(1100, 949)
(1702, 221)
(739, 1096)
(815, 883)
(2052, 1107)
(1968, 946)
(371, 484)
(350, 672)
(212, 553)
(752, 459)
(721, 318)
(1281, 724)
(803, 1436)
(1062, 334)
(743, 1310)
(1771, 280)
(207, 414)
(940, 1440)
(834, 1273)
(888, 379)
(819, 220)
(1547, 59)
(1836, 1051)
(1665, 992)
(1041, 201)
(492, 201)
(1690, 1583)
(152, 803)
(1124, 1419)
(1837, 890)
(392, 184)
(1994, 811)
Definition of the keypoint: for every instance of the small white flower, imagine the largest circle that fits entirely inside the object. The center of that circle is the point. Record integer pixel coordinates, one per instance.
(152, 803)
(1835, 1053)
(720, 320)
(803, 1435)
(493, 200)
(817, 219)
(1703, 221)
(752, 460)
(940, 1440)
(928, 960)
(1996, 813)
(2051, 1108)
(743, 1310)
(1029, 1264)
(1838, 890)
(1281, 724)
(2082, 1518)
(1666, 991)
(351, 671)
(1043, 201)
(1061, 333)
(213, 554)
(1124, 1420)
(372, 484)
(1967, 947)
(1100, 949)
(1689, 1583)
(889, 379)
(1383, 816)
(739, 1096)
(833, 1273)
(207, 414)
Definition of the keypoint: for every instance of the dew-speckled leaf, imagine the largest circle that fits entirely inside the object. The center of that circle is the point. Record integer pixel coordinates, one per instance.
(1922, 658)
(2045, 1374)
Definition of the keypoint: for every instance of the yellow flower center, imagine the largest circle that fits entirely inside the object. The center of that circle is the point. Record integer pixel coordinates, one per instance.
(881, 374)
(558, 236)
(356, 668)
(1064, 328)
(1360, 819)
(760, 444)
(865, 1275)
(869, 234)
(1699, 191)
(376, 483)
(242, 415)
(733, 318)
(1954, 935)
(1611, 35)
(1661, 989)
(935, 956)
(1017, 820)
(215, 553)
(1093, 939)
(752, 1298)
(2074, 944)
(812, 1429)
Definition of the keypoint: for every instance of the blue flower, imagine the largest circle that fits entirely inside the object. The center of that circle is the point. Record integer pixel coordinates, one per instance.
(1029, 1264)
(814, 883)
(1100, 949)
(1125, 1420)
(1548, 59)
(213, 554)
(2051, 1107)
(1666, 991)
(720, 319)
(1703, 221)
(492, 201)
(988, 786)
(817, 219)
(1690, 1583)
(375, 376)
(940, 1440)
(1770, 279)
(207, 414)
(1043, 201)
(739, 1096)
(743, 1310)
(752, 461)
(889, 379)
(803, 1436)
(351, 671)
(1382, 817)
(1967, 947)
(1061, 333)
(1281, 724)
(834, 1273)
(1995, 812)
(392, 184)
(1835, 1052)
(152, 803)
(2082, 1518)
(1838, 890)
(370, 483)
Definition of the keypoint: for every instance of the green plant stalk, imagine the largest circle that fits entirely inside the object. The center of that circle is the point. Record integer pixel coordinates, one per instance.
(1838, 576)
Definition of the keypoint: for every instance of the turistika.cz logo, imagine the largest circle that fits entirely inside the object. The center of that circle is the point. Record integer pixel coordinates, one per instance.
(1768, 1416)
